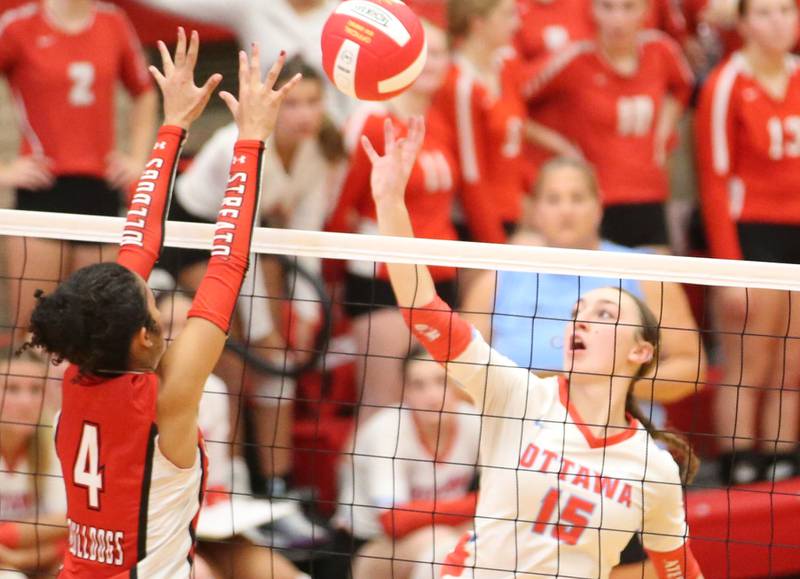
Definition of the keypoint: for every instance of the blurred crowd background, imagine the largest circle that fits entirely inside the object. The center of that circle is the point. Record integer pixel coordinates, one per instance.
(655, 126)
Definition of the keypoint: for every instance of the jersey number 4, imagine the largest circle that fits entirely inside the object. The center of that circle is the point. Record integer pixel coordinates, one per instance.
(87, 472)
(571, 520)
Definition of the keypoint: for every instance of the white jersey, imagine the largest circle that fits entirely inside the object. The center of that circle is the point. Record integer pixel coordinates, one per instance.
(555, 500)
(25, 495)
(391, 466)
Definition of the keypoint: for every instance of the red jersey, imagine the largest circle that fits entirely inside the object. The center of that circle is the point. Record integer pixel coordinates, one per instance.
(489, 129)
(429, 194)
(129, 510)
(748, 146)
(64, 83)
(612, 117)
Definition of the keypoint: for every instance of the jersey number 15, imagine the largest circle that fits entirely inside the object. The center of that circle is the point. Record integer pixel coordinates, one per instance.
(571, 520)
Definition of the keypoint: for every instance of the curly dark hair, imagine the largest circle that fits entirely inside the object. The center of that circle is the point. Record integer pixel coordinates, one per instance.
(91, 318)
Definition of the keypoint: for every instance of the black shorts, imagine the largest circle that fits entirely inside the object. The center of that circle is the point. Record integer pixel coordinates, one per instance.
(363, 295)
(634, 225)
(464, 233)
(769, 242)
(73, 194)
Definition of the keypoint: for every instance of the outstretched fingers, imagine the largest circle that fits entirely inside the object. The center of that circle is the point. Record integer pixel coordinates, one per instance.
(389, 138)
(416, 131)
(275, 71)
(194, 50)
(180, 48)
(369, 149)
(166, 58)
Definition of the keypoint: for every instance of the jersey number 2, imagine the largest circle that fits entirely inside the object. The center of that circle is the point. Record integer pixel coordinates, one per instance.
(82, 76)
(87, 472)
(571, 520)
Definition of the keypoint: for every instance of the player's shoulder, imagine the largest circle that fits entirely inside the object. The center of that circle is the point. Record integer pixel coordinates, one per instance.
(726, 75)
(654, 39)
(573, 54)
(110, 11)
(659, 465)
(19, 17)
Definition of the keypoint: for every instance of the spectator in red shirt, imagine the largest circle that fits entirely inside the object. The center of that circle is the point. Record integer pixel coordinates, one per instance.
(620, 96)
(63, 60)
(748, 133)
(482, 100)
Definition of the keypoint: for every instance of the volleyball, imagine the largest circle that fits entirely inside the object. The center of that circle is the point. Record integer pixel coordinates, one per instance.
(373, 49)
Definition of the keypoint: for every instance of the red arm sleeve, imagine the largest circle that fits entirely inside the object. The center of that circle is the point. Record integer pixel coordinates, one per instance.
(404, 519)
(678, 563)
(715, 147)
(133, 71)
(216, 297)
(143, 234)
(439, 329)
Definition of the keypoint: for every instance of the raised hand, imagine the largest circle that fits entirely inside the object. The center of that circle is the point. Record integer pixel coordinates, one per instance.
(391, 172)
(256, 110)
(183, 100)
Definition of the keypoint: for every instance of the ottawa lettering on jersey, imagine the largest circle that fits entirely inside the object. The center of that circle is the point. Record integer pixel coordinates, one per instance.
(93, 544)
(133, 234)
(543, 460)
(231, 203)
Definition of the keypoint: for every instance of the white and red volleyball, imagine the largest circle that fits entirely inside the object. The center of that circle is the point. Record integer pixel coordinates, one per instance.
(373, 49)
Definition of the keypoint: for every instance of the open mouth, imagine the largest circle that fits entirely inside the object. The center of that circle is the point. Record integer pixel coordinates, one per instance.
(577, 343)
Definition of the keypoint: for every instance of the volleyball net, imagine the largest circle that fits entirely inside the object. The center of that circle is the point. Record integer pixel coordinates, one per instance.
(316, 389)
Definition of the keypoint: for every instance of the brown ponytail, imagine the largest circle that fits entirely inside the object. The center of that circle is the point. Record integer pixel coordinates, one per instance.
(678, 446)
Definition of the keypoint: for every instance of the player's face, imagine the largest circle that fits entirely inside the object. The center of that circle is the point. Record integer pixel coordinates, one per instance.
(567, 212)
(771, 25)
(425, 390)
(618, 21)
(22, 396)
(437, 63)
(500, 24)
(302, 112)
(605, 337)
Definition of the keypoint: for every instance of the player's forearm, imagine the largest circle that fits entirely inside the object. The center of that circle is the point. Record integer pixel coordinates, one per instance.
(549, 139)
(142, 119)
(413, 285)
(143, 235)
(217, 295)
(671, 112)
(678, 377)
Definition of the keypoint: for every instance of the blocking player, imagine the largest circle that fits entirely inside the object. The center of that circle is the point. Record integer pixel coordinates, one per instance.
(63, 60)
(748, 135)
(621, 94)
(127, 437)
(570, 468)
